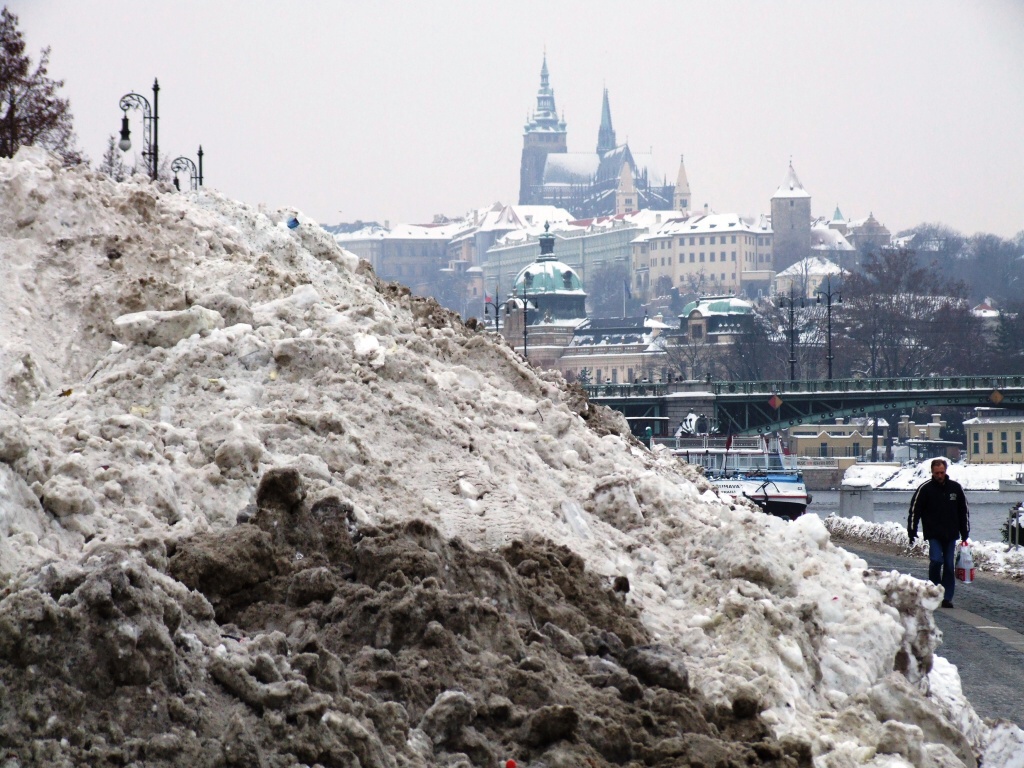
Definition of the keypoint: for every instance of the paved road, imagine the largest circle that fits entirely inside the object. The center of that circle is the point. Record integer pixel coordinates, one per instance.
(983, 636)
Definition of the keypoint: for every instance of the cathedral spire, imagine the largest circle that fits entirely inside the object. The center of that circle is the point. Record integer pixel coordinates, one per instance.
(681, 199)
(605, 134)
(545, 117)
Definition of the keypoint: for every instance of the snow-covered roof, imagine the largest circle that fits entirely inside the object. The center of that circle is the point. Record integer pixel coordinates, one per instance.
(984, 310)
(707, 224)
(824, 238)
(570, 167)
(811, 266)
(791, 186)
(719, 306)
(443, 232)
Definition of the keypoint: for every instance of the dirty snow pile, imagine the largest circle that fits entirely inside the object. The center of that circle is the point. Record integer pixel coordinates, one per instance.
(257, 508)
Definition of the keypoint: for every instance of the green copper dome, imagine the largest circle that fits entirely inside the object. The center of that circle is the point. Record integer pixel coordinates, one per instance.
(547, 276)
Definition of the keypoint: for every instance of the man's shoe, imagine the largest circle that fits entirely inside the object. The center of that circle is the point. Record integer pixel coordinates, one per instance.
(947, 603)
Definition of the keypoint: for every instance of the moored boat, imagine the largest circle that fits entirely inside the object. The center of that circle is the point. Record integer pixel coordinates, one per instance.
(1017, 484)
(782, 494)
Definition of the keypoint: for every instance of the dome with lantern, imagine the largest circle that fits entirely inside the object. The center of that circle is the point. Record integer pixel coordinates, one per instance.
(553, 288)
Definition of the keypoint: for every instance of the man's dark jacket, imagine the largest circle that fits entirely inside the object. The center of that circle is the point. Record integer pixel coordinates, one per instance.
(942, 510)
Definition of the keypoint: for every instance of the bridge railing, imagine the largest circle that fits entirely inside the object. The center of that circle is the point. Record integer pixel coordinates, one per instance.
(867, 385)
(780, 387)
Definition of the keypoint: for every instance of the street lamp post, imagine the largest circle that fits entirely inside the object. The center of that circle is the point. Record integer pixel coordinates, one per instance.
(518, 301)
(783, 300)
(183, 164)
(150, 126)
(828, 294)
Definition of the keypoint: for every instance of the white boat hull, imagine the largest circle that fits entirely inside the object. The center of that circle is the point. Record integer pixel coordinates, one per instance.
(782, 498)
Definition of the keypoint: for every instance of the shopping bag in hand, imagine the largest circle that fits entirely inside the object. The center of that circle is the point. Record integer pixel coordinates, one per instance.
(964, 564)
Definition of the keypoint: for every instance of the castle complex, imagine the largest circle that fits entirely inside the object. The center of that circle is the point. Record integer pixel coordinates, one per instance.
(607, 182)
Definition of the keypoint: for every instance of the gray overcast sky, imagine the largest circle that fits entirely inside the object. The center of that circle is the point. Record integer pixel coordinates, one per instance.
(385, 110)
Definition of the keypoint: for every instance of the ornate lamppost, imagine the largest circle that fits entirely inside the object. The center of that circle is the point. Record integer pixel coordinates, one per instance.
(828, 294)
(183, 164)
(491, 310)
(150, 125)
(791, 301)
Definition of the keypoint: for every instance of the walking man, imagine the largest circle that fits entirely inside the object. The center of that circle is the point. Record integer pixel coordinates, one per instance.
(941, 506)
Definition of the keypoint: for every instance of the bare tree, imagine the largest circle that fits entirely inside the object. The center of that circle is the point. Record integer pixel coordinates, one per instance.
(113, 162)
(609, 293)
(902, 319)
(690, 356)
(31, 111)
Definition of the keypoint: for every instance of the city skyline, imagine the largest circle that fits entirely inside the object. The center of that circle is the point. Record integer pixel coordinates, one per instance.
(345, 112)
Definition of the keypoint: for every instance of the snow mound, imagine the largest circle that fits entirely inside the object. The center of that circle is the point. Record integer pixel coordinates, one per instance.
(184, 473)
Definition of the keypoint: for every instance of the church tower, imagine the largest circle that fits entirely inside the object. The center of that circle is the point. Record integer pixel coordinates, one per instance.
(605, 134)
(626, 198)
(681, 199)
(791, 222)
(544, 134)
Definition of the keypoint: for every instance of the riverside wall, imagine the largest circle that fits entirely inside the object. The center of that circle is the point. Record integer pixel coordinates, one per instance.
(822, 478)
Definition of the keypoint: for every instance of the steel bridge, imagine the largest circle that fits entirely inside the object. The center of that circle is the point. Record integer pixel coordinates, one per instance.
(758, 407)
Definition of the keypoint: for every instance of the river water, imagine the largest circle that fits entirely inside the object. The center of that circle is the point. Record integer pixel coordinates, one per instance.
(988, 509)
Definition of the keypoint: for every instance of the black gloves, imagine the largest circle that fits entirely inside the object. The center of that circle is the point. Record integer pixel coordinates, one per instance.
(911, 535)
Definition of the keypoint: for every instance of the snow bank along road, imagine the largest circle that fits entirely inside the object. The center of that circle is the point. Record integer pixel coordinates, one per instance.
(983, 636)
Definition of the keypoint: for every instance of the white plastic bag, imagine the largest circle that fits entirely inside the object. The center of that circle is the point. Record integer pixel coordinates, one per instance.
(964, 564)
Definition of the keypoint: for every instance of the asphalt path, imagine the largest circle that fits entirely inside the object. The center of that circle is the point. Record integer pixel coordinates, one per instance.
(983, 635)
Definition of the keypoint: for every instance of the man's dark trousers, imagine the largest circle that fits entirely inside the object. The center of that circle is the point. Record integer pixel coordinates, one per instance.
(941, 556)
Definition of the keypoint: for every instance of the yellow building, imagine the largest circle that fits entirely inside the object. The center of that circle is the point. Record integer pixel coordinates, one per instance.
(995, 436)
(706, 253)
(844, 439)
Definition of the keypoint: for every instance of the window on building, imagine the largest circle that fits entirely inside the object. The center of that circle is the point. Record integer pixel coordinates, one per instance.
(1016, 442)
(856, 449)
(680, 258)
(691, 241)
(791, 203)
(734, 255)
(682, 241)
(615, 375)
(663, 261)
(977, 444)
(599, 373)
(712, 255)
(723, 277)
(702, 258)
(1003, 445)
(697, 332)
(733, 275)
(702, 241)
(629, 375)
(712, 240)
(989, 443)
(629, 201)
(823, 450)
(734, 239)
(692, 257)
